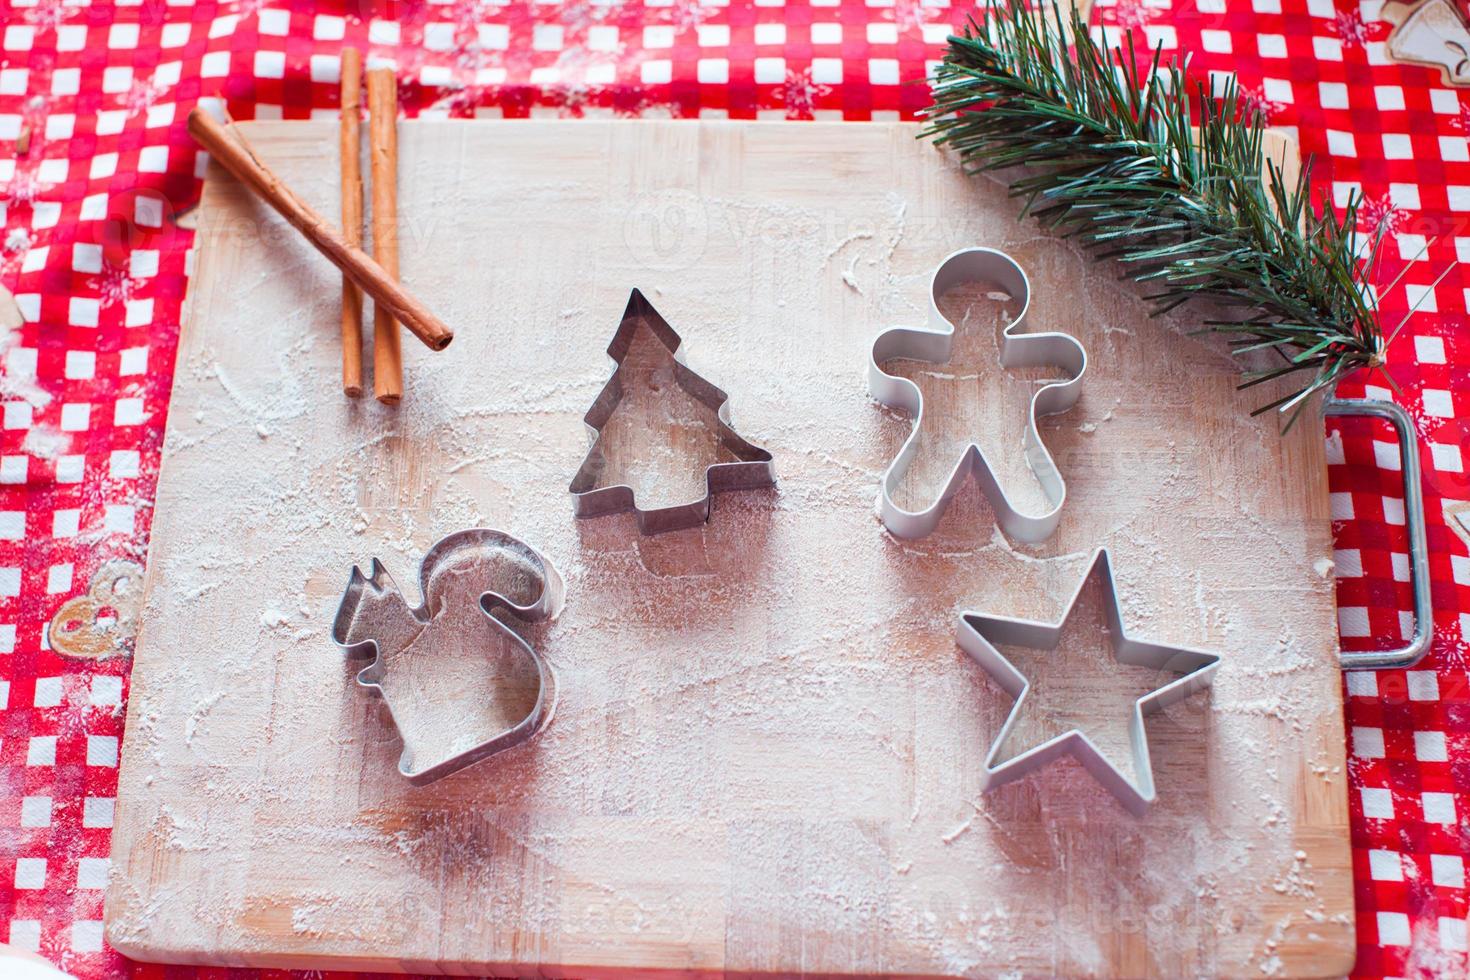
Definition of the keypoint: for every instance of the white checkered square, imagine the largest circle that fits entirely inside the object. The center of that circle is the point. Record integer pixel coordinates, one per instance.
(1429, 350)
(1447, 870)
(86, 936)
(1393, 929)
(102, 750)
(327, 27)
(97, 811)
(1452, 934)
(1430, 747)
(1446, 457)
(1341, 144)
(1385, 866)
(1353, 621)
(1397, 146)
(1438, 402)
(66, 523)
(1332, 95)
(35, 811)
(48, 692)
(41, 750)
(92, 872)
(1390, 98)
(1423, 685)
(1368, 743)
(1438, 807)
(882, 71)
(30, 873)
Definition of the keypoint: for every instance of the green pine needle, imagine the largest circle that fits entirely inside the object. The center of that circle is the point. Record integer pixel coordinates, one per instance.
(1184, 197)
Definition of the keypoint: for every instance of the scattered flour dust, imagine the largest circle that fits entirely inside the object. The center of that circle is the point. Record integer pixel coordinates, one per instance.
(764, 725)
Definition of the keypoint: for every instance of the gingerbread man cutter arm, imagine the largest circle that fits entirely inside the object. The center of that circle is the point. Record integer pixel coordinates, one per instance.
(980, 635)
(527, 585)
(934, 344)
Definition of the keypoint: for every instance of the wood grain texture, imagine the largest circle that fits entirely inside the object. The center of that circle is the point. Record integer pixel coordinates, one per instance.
(767, 752)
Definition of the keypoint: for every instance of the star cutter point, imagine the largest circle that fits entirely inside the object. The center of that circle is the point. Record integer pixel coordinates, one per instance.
(934, 344)
(980, 635)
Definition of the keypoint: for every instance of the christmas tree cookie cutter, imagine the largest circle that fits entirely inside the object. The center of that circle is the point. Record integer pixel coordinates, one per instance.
(980, 635)
(751, 467)
(934, 343)
(468, 581)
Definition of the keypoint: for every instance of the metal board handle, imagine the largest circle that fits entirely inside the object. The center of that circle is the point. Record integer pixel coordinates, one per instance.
(1418, 645)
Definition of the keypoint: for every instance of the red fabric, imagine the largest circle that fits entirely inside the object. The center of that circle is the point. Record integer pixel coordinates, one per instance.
(99, 268)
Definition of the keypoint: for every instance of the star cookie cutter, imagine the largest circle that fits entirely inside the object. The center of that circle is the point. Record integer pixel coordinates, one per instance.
(980, 634)
(934, 343)
(752, 468)
(468, 580)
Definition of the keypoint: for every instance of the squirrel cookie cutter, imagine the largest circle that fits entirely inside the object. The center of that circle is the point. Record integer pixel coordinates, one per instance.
(980, 634)
(751, 469)
(465, 579)
(934, 343)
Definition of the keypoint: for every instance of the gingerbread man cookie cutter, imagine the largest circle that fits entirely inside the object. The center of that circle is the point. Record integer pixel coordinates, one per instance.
(934, 344)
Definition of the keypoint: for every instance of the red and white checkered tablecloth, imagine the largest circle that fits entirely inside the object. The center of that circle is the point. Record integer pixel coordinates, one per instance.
(98, 268)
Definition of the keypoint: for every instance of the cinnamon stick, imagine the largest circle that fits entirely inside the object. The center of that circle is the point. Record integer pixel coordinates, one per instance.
(351, 150)
(232, 152)
(382, 85)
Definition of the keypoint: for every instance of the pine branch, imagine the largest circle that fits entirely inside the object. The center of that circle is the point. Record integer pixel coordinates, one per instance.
(1147, 168)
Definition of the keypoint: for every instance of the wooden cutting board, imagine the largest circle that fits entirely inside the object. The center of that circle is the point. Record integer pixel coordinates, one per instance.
(767, 752)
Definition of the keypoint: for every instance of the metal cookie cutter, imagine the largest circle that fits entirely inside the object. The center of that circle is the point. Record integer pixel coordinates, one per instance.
(934, 343)
(980, 634)
(752, 468)
(438, 666)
